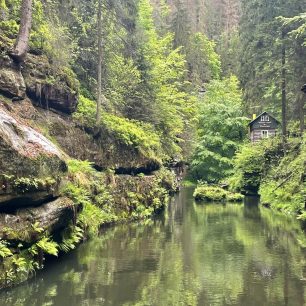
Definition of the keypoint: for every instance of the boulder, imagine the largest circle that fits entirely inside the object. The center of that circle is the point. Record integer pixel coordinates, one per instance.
(27, 225)
(30, 165)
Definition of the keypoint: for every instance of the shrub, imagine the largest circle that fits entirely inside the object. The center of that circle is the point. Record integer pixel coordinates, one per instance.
(209, 193)
(214, 193)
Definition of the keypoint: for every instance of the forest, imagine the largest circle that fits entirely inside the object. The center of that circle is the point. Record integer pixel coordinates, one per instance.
(109, 107)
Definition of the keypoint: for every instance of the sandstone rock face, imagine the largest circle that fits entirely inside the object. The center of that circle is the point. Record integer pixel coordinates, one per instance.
(31, 165)
(12, 83)
(49, 217)
(48, 88)
(99, 147)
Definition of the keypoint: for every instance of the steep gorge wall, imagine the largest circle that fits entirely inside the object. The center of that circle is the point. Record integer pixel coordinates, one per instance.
(38, 137)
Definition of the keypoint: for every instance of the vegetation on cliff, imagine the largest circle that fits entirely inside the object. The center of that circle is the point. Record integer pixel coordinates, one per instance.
(277, 175)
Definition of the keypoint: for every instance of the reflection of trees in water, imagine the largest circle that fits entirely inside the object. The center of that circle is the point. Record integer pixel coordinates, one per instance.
(192, 255)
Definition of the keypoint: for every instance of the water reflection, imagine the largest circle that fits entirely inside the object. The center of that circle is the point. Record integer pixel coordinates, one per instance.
(194, 254)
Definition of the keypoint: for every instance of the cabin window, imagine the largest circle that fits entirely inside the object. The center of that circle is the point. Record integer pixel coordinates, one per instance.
(265, 118)
(264, 134)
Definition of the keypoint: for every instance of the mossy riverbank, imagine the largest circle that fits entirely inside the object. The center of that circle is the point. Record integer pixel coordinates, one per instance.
(93, 199)
(274, 172)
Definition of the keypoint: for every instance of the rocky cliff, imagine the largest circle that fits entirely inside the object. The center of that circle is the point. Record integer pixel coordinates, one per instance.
(55, 182)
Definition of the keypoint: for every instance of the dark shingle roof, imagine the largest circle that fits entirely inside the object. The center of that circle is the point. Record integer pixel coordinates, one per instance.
(262, 114)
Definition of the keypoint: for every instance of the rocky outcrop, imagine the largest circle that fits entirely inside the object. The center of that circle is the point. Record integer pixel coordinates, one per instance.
(12, 83)
(48, 88)
(27, 225)
(31, 165)
(99, 147)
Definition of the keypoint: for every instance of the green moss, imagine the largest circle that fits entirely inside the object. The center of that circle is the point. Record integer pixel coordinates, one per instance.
(26, 184)
(134, 134)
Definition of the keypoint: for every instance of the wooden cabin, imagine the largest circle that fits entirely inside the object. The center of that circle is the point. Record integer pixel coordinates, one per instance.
(263, 126)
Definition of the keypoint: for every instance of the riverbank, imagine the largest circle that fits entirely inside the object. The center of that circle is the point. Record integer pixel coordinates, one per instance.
(63, 176)
(93, 199)
(275, 174)
(266, 170)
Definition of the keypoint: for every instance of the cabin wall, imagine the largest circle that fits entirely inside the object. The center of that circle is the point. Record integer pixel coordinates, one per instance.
(257, 134)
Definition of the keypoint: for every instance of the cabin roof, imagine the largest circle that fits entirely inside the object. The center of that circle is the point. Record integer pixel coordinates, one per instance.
(262, 114)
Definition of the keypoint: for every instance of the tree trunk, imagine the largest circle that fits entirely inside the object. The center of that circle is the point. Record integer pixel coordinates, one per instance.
(100, 58)
(22, 42)
(284, 88)
(302, 111)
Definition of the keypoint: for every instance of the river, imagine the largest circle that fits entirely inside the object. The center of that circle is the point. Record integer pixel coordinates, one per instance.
(192, 254)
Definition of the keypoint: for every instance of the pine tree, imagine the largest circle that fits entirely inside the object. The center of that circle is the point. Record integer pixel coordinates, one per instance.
(269, 76)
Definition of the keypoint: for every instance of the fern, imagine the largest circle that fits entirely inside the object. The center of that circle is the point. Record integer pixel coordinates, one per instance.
(48, 246)
(4, 250)
(71, 238)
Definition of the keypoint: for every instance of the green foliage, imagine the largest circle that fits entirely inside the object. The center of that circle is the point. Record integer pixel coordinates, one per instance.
(252, 162)
(282, 186)
(86, 112)
(205, 62)
(164, 75)
(27, 184)
(221, 131)
(299, 24)
(92, 217)
(82, 166)
(4, 250)
(71, 237)
(47, 246)
(209, 193)
(215, 193)
(87, 190)
(248, 169)
(263, 168)
(133, 133)
(260, 53)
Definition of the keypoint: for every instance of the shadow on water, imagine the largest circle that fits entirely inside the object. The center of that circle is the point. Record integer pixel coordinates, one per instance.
(191, 254)
(251, 207)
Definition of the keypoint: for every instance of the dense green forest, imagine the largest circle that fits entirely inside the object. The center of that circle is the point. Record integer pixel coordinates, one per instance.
(134, 87)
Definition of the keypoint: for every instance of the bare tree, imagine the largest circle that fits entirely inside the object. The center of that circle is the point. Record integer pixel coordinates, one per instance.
(22, 42)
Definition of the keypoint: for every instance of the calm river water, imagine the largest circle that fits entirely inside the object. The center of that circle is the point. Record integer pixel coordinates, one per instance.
(193, 254)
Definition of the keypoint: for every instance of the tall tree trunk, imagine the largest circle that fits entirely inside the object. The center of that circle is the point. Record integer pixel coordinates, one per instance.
(100, 58)
(301, 104)
(302, 111)
(284, 89)
(22, 42)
